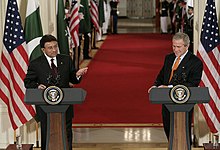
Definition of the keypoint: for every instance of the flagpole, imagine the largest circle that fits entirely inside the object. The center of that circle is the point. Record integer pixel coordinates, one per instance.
(111, 24)
(14, 136)
(37, 137)
(76, 54)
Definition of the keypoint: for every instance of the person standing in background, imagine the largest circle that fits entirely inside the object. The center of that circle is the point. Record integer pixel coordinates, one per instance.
(180, 14)
(107, 17)
(163, 8)
(172, 11)
(74, 49)
(114, 16)
(86, 28)
(188, 27)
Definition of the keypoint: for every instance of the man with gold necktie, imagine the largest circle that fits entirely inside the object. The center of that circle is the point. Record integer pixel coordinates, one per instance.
(180, 67)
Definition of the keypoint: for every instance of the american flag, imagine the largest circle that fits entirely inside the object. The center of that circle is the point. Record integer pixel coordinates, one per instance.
(74, 23)
(95, 15)
(209, 53)
(13, 68)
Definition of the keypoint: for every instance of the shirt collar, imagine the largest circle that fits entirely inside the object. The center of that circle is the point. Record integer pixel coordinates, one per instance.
(182, 56)
(49, 59)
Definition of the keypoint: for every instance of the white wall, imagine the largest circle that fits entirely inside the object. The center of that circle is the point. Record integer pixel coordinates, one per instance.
(122, 8)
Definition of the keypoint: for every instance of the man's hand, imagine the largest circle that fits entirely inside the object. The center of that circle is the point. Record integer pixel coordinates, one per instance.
(151, 88)
(81, 72)
(41, 86)
(163, 86)
(81, 16)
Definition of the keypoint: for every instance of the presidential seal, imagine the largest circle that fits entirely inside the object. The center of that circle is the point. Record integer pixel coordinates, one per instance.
(179, 94)
(53, 95)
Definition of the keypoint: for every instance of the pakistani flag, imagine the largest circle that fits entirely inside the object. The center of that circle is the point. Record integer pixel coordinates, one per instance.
(87, 19)
(33, 29)
(101, 13)
(62, 33)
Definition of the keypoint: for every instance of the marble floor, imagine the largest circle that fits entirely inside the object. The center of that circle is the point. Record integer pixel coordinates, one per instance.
(120, 139)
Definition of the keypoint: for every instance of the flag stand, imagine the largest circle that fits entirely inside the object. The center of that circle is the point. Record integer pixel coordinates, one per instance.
(14, 136)
(210, 137)
(37, 138)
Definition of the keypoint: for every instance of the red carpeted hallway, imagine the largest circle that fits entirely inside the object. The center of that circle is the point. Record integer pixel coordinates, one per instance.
(119, 76)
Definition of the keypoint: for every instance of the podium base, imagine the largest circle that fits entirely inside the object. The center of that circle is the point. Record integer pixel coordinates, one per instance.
(209, 146)
(24, 147)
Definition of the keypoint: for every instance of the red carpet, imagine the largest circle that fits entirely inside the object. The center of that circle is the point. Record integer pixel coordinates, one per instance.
(118, 78)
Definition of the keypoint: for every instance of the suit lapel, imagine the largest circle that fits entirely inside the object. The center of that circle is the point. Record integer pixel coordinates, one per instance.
(44, 62)
(60, 62)
(184, 61)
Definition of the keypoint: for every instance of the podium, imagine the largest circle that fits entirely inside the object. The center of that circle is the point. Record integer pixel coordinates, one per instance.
(179, 112)
(56, 119)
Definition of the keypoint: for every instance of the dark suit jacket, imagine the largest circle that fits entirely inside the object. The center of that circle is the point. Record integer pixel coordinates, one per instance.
(188, 73)
(39, 70)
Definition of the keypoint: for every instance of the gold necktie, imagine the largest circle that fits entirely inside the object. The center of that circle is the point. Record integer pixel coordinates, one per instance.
(174, 68)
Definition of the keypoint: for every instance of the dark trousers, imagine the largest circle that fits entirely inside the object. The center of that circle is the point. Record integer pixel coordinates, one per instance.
(86, 45)
(166, 122)
(76, 55)
(43, 119)
(115, 24)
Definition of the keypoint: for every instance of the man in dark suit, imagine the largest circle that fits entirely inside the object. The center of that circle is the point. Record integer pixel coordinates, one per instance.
(188, 73)
(188, 27)
(40, 75)
(163, 9)
(114, 16)
(172, 11)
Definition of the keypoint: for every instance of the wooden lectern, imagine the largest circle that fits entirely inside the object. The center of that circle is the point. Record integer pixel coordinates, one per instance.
(56, 121)
(179, 126)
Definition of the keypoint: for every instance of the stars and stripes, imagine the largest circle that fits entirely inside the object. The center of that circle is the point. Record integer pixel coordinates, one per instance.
(95, 15)
(209, 53)
(74, 23)
(13, 68)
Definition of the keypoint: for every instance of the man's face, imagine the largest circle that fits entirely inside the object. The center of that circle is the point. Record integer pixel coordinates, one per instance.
(190, 11)
(179, 48)
(50, 49)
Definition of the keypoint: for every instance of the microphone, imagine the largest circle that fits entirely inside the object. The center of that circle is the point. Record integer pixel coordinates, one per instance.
(175, 79)
(53, 81)
(179, 78)
(183, 75)
(57, 80)
(49, 79)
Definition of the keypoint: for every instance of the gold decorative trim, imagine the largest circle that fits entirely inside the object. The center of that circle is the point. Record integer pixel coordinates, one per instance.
(118, 125)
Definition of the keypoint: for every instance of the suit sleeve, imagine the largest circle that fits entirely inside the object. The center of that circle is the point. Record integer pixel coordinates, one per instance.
(161, 76)
(195, 74)
(72, 74)
(30, 80)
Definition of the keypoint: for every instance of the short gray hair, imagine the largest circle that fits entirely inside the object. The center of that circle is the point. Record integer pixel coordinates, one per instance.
(182, 36)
